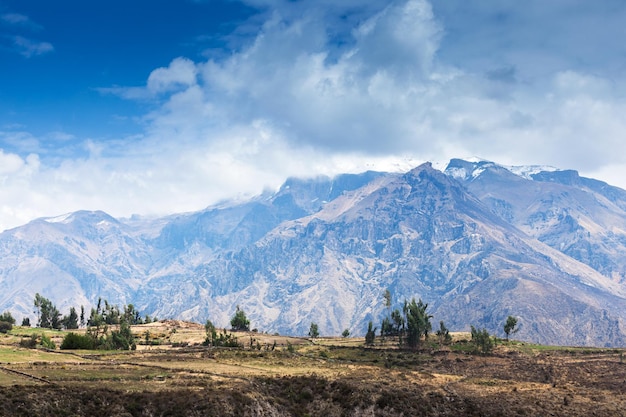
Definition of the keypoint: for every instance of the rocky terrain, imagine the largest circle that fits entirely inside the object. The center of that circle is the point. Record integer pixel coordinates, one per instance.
(478, 242)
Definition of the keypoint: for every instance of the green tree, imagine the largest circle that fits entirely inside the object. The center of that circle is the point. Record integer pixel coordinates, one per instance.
(417, 322)
(314, 330)
(398, 321)
(48, 315)
(26, 322)
(387, 299)
(370, 336)
(482, 340)
(121, 339)
(131, 314)
(82, 316)
(386, 328)
(240, 321)
(70, 321)
(7, 317)
(6, 322)
(510, 326)
(345, 333)
(213, 338)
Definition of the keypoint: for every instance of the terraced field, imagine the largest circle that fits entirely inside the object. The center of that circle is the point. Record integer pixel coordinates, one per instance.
(300, 377)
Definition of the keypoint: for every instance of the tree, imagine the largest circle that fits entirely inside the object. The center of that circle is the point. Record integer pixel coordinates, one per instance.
(240, 321)
(482, 340)
(121, 339)
(417, 322)
(370, 336)
(222, 339)
(7, 317)
(48, 315)
(398, 321)
(313, 330)
(70, 322)
(510, 326)
(26, 322)
(82, 316)
(387, 298)
(345, 333)
(131, 315)
(443, 334)
(386, 328)
(6, 322)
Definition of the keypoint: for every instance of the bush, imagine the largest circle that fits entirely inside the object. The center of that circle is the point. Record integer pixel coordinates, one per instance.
(482, 340)
(5, 326)
(47, 342)
(77, 341)
(7, 317)
(29, 343)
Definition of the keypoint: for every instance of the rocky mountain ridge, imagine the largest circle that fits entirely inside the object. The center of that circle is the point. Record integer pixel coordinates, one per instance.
(478, 242)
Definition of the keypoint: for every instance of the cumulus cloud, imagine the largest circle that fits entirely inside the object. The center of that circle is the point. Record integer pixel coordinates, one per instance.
(329, 87)
(179, 74)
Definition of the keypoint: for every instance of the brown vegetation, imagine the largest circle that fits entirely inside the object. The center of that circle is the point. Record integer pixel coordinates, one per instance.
(296, 377)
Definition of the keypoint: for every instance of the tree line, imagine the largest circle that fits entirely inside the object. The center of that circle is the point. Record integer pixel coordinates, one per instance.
(412, 325)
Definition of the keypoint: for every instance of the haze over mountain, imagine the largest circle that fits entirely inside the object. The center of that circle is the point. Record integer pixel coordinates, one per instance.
(478, 242)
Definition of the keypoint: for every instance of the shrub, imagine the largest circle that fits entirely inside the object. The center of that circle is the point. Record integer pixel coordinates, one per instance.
(5, 326)
(29, 343)
(77, 341)
(482, 340)
(7, 317)
(47, 342)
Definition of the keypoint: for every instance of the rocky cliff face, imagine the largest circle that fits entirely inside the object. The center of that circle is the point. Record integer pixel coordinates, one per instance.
(478, 243)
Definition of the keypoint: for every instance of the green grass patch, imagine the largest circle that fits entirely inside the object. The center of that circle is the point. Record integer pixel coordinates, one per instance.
(10, 354)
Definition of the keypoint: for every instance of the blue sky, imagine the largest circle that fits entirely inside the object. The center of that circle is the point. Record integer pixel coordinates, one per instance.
(155, 107)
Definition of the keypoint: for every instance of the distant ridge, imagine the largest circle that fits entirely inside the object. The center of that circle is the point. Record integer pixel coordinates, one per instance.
(478, 241)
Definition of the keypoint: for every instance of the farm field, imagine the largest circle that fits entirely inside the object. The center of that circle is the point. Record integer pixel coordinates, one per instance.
(173, 375)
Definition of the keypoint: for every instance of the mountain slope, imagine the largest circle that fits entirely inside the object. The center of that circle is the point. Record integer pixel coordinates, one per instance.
(478, 243)
(583, 218)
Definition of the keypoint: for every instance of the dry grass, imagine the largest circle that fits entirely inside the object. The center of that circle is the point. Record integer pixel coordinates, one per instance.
(324, 377)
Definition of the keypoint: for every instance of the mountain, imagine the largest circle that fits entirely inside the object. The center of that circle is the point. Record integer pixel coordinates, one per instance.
(478, 242)
(583, 218)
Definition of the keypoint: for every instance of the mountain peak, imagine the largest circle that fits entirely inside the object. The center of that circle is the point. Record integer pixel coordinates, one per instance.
(472, 168)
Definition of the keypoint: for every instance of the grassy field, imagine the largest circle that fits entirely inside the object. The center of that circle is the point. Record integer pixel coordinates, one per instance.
(173, 375)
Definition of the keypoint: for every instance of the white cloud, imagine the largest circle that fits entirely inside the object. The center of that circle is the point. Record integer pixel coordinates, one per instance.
(9, 163)
(295, 101)
(29, 48)
(14, 18)
(180, 73)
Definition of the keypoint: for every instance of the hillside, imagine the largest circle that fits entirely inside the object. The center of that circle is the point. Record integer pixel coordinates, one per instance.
(299, 377)
(478, 242)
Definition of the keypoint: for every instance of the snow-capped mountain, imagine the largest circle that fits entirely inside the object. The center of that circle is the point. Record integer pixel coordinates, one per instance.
(478, 242)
